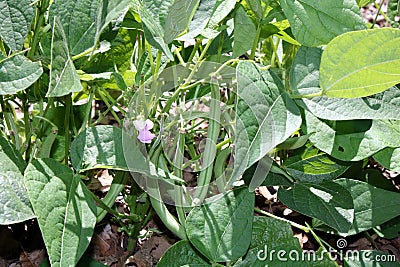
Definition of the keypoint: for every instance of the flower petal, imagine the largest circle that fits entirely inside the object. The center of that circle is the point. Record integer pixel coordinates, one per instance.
(140, 125)
(149, 124)
(145, 136)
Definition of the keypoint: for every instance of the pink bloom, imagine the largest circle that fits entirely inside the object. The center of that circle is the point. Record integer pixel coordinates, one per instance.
(144, 127)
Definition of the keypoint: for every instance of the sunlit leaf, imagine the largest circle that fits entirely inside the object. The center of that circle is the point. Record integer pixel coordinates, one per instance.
(361, 63)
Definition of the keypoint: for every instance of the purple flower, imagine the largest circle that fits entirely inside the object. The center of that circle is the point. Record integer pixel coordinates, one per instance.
(144, 127)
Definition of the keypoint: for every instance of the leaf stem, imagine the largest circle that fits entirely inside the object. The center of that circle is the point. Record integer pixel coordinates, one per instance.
(377, 13)
(117, 215)
(320, 93)
(316, 237)
(298, 226)
(84, 53)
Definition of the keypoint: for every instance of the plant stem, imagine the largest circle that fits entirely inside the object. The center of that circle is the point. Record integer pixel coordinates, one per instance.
(117, 215)
(316, 237)
(68, 104)
(178, 55)
(109, 107)
(28, 133)
(118, 183)
(150, 55)
(255, 42)
(41, 11)
(299, 226)
(88, 111)
(186, 85)
(220, 45)
(377, 13)
(196, 46)
(158, 62)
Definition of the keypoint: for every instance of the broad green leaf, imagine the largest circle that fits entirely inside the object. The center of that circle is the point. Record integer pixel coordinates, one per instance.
(370, 258)
(84, 20)
(182, 254)
(351, 140)
(98, 147)
(256, 7)
(12, 153)
(384, 105)
(118, 57)
(18, 73)
(372, 206)
(108, 10)
(14, 204)
(311, 165)
(221, 229)
(304, 74)
(304, 80)
(294, 142)
(64, 207)
(144, 67)
(270, 236)
(327, 201)
(179, 16)
(375, 177)
(163, 21)
(375, 61)
(244, 30)
(153, 30)
(389, 229)
(15, 20)
(63, 77)
(78, 19)
(200, 19)
(266, 116)
(389, 158)
(56, 115)
(316, 23)
(221, 9)
(271, 174)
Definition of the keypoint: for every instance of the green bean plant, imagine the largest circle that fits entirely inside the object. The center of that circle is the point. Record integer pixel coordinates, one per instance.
(193, 105)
